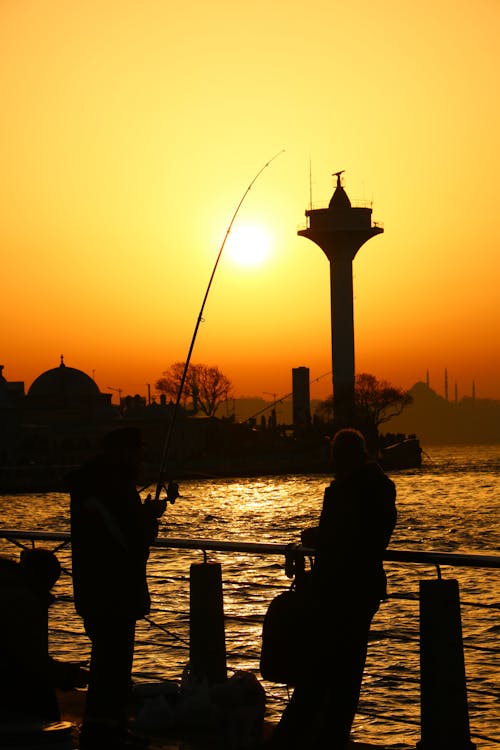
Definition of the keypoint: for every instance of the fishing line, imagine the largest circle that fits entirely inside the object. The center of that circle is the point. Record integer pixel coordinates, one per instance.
(283, 398)
(168, 440)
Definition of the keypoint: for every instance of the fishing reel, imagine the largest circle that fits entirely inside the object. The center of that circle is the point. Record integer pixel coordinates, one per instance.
(158, 505)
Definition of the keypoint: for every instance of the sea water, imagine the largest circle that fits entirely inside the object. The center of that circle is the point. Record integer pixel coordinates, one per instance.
(451, 504)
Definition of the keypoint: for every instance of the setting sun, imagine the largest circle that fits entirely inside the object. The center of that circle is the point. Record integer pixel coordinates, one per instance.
(248, 244)
(133, 132)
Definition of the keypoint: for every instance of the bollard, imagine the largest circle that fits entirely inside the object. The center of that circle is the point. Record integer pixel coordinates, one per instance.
(207, 644)
(444, 715)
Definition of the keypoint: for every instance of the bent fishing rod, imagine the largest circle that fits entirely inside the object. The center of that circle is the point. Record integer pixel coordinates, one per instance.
(168, 440)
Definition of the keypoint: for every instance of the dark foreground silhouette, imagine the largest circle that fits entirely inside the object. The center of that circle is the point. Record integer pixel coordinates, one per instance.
(345, 588)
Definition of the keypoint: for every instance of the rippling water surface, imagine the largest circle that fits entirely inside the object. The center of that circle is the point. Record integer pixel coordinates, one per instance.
(451, 505)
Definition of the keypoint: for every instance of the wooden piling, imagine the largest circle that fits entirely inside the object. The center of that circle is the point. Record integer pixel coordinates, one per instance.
(444, 715)
(207, 643)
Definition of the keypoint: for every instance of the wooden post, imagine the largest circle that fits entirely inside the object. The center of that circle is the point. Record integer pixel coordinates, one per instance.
(444, 716)
(207, 643)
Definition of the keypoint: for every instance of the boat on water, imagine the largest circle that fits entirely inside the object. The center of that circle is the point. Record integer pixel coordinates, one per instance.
(405, 453)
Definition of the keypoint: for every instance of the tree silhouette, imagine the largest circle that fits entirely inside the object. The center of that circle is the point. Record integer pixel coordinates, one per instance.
(376, 401)
(205, 388)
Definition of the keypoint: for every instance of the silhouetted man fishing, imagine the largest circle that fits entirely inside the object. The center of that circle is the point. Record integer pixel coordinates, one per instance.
(111, 533)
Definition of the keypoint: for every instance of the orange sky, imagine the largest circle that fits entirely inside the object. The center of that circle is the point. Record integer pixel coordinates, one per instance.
(130, 131)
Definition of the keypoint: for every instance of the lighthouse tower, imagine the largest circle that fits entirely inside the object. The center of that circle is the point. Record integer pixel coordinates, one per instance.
(340, 230)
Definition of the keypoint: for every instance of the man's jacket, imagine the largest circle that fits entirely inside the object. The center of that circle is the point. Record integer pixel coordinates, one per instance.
(111, 531)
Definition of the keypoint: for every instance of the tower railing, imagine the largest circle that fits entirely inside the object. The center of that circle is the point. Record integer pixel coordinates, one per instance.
(354, 204)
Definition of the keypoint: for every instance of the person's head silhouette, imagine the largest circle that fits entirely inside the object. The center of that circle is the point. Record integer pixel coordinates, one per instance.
(41, 567)
(348, 451)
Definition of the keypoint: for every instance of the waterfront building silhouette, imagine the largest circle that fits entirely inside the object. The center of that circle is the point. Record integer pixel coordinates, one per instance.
(340, 230)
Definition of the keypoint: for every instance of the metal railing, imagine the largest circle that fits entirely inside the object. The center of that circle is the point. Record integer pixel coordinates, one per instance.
(404, 630)
(269, 548)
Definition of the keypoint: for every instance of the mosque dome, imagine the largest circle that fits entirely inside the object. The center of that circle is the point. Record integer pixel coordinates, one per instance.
(63, 381)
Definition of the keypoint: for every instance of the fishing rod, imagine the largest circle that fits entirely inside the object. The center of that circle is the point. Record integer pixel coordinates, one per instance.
(168, 440)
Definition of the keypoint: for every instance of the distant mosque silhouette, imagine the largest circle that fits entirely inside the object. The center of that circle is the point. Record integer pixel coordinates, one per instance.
(339, 231)
(68, 387)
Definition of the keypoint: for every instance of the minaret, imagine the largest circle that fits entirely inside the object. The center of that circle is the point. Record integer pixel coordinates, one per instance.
(340, 230)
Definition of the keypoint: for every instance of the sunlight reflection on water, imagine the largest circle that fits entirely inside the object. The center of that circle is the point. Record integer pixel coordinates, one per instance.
(451, 504)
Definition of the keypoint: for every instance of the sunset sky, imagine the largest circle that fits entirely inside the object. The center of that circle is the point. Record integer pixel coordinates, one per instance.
(130, 130)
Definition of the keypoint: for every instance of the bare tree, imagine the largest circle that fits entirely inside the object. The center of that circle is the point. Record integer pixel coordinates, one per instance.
(205, 387)
(376, 401)
(170, 383)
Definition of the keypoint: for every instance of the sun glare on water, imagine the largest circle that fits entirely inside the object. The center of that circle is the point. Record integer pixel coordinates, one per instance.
(248, 244)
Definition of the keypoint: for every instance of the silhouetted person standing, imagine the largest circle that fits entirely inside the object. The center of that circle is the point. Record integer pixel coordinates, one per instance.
(348, 583)
(27, 691)
(42, 569)
(111, 533)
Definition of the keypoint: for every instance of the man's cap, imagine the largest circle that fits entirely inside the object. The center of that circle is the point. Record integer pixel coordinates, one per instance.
(122, 439)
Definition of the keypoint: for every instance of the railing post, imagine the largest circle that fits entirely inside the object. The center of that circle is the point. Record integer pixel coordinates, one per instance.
(444, 717)
(207, 643)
